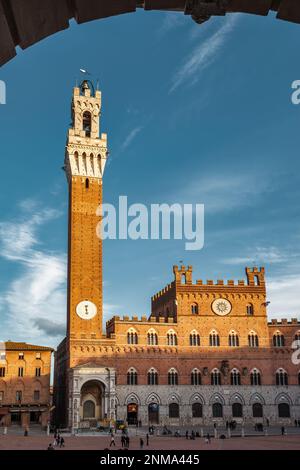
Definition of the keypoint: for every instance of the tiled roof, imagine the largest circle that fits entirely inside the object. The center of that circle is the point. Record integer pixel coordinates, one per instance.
(18, 346)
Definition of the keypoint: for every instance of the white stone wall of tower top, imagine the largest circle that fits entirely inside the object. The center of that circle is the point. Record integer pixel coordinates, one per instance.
(86, 155)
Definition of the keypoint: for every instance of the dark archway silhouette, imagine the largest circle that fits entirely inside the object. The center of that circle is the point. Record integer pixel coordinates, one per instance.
(25, 23)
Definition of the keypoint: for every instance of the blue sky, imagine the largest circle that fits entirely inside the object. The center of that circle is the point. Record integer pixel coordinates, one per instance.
(194, 114)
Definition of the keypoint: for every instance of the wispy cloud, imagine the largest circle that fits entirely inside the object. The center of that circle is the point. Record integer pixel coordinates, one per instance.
(203, 55)
(171, 21)
(260, 255)
(131, 136)
(33, 306)
(224, 192)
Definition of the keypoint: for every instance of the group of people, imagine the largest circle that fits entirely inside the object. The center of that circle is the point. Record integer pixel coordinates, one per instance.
(125, 440)
(191, 436)
(57, 442)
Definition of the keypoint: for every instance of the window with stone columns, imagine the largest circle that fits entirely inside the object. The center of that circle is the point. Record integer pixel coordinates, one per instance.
(214, 339)
(152, 376)
(235, 377)
(233, 339)
(215, 377)
(255, 377)
(194, 338)
(152, 338)
(172, 338)
(195, 377)
(278, 340)
(132, 336)
(253, 341)
(281, 377)
(172, 377)
(132, 377)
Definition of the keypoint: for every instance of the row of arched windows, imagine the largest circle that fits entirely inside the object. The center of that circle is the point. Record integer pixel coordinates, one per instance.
(215, 377)
(214, 338)
(279, 339)
(236, 410)
(195, 339)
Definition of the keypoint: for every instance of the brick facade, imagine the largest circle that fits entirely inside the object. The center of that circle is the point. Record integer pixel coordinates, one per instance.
(24, 384)
(214, 333)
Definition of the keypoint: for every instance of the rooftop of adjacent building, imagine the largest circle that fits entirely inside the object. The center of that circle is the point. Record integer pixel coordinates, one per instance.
(22, 346)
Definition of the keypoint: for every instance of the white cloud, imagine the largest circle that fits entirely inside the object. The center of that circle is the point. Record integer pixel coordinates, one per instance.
(131, 136)
(283, 293)
(33, 307)
(203, 55)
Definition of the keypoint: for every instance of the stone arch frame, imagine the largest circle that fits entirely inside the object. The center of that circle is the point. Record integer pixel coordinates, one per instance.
(217, 398)
(283, 398)
(196, 398)
(257, 398)
(173, 398)
(132, 398)
(92, 379)
(153, 398)
(236, 398)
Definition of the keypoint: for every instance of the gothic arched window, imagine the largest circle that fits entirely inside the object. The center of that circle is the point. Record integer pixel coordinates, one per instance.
(152, 338)
(172, 377)
(281, 377)
(215, 377)
(171, 338)
(87, 123)
(152, 377)
(196, 377)
(278, 340)
(194, 338)
(253, 340)
(233, 339)
(132, 337)
(132, 377)
(214, 339)
(235, 377)
(255, 377)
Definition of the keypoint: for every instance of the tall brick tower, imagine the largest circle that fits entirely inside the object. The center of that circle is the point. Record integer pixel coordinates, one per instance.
(85, 159)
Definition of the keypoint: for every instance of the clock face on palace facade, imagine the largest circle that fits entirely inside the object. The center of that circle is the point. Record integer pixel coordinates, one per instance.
(221, 307)
(86, 310)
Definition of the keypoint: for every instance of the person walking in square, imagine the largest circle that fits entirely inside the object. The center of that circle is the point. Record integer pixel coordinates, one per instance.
(112, 441)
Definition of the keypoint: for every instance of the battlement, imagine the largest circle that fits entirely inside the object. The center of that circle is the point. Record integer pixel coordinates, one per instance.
(283, 322)
(162, 292)
(134, 319)
(183, 276)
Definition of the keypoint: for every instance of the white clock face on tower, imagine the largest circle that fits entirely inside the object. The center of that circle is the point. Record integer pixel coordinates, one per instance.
(221, 307)
(86, 310)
